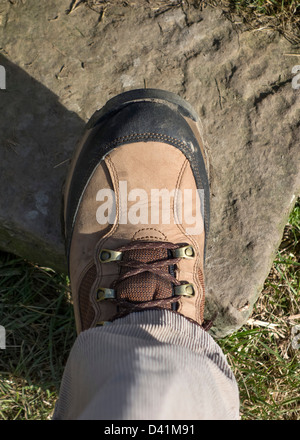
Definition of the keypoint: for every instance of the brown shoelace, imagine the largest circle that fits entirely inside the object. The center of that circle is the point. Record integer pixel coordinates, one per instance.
(138, 267)
(158, 268)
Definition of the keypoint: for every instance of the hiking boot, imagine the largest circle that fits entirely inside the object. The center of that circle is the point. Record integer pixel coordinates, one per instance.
(136, 210)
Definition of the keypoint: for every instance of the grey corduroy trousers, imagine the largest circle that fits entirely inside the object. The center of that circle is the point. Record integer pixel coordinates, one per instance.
(150, 365)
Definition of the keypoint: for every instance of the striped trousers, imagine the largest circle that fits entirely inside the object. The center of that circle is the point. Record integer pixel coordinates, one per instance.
(150, 365)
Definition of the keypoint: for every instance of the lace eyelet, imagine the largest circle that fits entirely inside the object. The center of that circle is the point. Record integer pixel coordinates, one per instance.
(103, 293)
(185, 290)
(184, 252)
(107, 255)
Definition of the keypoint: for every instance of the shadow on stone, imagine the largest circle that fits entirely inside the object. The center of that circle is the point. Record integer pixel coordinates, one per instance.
(37, 137)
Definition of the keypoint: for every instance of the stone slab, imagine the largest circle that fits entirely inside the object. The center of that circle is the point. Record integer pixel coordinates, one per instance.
(62, 65)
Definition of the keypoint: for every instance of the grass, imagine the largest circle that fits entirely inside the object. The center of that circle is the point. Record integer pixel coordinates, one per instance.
(261, 354)
(282, 16)
(278, 15)
(37, 313)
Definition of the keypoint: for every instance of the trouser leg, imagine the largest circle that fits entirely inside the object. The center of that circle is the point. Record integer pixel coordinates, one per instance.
(148, 365)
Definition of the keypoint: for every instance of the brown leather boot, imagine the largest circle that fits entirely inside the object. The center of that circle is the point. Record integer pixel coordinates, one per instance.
(137, 210)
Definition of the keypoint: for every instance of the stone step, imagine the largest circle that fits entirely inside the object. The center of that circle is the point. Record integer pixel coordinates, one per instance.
(61, 66)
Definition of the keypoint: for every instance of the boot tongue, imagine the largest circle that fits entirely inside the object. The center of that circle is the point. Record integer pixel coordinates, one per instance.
(144, 286)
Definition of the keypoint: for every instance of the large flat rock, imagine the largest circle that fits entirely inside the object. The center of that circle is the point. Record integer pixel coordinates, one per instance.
(61, 66)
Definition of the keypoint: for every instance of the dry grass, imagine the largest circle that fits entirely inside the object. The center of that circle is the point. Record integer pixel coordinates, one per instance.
(281, 16)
